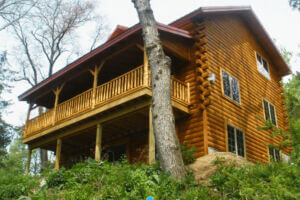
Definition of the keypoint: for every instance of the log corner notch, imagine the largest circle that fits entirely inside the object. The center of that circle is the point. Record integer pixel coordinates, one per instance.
(202, 72)
(284, 108)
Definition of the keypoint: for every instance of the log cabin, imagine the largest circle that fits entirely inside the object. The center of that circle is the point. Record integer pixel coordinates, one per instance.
(226, 73)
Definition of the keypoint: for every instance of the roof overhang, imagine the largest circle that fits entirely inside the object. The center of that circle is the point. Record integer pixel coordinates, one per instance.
(251, 20)
(59, 75)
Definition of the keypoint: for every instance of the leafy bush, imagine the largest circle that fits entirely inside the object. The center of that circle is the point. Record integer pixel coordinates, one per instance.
(274, 181)
(92, 180)
(188, 153)
(13, 185)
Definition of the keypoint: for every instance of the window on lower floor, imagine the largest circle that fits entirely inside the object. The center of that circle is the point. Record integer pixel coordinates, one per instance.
(274, 154)
(231, 87)
(270, 112)
(236, 141)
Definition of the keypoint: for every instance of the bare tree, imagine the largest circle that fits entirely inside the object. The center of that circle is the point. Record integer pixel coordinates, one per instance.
(163, 118)
(295, 4)
(12, 11)
(46, 37)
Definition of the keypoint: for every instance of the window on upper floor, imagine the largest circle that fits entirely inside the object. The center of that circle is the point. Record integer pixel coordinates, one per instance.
(270, 113)
(274, 154)
(262, 66)
(231, 87)
(236, 140)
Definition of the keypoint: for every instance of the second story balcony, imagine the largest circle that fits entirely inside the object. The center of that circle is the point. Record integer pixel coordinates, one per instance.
(128, 87)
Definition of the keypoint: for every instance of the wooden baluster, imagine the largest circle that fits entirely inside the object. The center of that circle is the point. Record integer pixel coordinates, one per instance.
(107, 91)
(132, 80)
(135, 78)
(188, 93)
(146, 66)
(104, 92)
(121, 85)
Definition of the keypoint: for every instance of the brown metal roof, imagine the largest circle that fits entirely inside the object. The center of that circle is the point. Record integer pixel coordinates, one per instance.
(113, 41)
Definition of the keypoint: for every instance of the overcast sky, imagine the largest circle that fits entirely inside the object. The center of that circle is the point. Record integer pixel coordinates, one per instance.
(280, 21)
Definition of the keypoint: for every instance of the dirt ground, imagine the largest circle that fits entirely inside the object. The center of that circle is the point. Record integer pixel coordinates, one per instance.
(204, 167)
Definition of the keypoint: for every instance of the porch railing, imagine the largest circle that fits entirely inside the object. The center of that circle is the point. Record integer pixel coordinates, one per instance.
(126, 83)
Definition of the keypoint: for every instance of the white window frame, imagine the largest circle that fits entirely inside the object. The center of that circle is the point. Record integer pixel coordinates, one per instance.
(235, 140)
(230, 85)
(259, 68)
(270, 112)
(274, 155)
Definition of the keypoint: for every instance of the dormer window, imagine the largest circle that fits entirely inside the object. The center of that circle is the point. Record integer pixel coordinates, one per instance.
(262, 66)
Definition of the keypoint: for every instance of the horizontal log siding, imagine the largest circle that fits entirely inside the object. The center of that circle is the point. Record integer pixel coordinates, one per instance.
(231, 46)
(191, 129)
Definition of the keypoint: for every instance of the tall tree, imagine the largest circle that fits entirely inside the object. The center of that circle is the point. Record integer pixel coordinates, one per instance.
(46, 37)
(5, 129)
(13, 10)
(292, 92)
(162, 114)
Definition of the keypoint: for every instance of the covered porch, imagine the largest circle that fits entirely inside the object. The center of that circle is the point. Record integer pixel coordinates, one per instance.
(125, 131)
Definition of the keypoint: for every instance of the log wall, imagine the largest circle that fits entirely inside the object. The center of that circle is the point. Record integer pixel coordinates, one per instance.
(231, 47)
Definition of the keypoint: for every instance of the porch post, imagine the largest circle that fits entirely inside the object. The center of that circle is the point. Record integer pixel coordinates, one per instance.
(27, 170)
(151, 140)
(58, 152)
(146, 69)
(56, 93)
(98, 143)
(95, 73)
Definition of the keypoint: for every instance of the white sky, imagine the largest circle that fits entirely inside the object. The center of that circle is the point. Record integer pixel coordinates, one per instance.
(280, 21)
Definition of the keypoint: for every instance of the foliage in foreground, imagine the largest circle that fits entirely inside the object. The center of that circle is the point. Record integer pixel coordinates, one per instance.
(92, 180)
(273, 181)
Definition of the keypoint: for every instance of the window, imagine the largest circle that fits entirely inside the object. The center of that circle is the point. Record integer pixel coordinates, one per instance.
(270, 112)
(262, 65)
(274, 154)
(236, 142)
(231, 87)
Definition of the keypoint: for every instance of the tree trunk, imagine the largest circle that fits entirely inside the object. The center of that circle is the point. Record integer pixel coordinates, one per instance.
(43, 152)
(162, 114)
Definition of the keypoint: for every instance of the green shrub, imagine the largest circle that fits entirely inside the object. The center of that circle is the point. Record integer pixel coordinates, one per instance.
(274, 181)
(188, 153)
(14, 185)
(92, 180)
